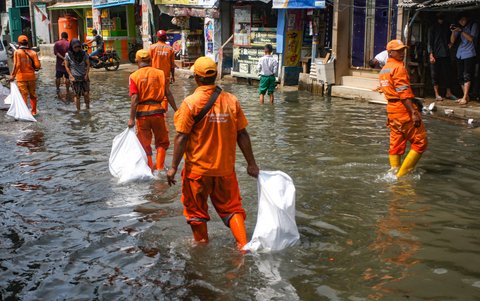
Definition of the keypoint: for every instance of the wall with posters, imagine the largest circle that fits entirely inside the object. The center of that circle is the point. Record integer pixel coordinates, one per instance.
(294, 37)
(213, 36)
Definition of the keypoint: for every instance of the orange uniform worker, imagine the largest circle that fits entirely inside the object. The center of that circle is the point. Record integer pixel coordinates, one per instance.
(147, 91)
(209, 145)
(404, 118)
(163, 58)
(25, 63)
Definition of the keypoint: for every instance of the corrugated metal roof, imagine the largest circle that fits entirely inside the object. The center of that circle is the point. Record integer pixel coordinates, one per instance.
(438, 4)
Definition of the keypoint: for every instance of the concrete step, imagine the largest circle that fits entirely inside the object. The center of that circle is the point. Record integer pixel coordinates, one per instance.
(360, 82)
(365, 73)
(358, 93)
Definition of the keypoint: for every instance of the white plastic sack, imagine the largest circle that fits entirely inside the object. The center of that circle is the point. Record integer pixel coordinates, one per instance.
(128, 160)
(276, 228)
(8, 100)
(18, 108)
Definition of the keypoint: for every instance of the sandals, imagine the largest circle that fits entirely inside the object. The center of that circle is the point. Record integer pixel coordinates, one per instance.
(451, 97)
(438, 98)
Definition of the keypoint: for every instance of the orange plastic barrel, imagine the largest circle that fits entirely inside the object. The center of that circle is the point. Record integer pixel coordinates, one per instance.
(69, 25)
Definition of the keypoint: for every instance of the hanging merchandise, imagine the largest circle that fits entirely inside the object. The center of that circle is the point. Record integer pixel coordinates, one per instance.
(276, 228)
(128, 161)
(18, 108)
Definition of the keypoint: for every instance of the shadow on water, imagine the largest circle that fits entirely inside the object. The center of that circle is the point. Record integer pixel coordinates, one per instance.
(70, 232)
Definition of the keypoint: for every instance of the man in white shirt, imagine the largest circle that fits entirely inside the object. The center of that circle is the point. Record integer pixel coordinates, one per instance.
(379, 60)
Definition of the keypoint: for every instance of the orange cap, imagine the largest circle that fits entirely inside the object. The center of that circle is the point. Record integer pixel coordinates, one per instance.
(161, 32)
(22, 39)
(205, 67)
(396, 45)
(142, 55)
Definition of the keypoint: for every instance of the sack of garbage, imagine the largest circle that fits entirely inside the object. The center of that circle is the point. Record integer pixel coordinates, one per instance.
(276, 228)
(128, 161)
(18, 108)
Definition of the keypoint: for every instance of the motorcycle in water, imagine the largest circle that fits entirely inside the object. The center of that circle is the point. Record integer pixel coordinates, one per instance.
(108, 60)
(132, 51)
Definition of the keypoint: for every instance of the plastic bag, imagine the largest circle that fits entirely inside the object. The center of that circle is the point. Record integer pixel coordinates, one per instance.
(18, 108)
(276, 228)
(128, 161)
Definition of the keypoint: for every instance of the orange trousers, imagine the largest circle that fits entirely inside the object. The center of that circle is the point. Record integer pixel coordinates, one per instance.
(149, 127)
(402, 130)
(224, 194)
(29, 88)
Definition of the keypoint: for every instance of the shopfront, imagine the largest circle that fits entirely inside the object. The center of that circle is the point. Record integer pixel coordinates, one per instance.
(304, 32)
(70, 17)
(193, 28)
(254, 27)
(115, 21)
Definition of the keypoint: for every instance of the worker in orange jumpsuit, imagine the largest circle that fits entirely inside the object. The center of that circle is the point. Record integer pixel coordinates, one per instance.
(148, 90)
(25, 63)
(404, 118)
(209, 145)
(163, 58)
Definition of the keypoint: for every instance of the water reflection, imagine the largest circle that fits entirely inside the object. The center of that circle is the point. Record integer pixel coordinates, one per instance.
(395, 242)
(69, 231)
(33, 139)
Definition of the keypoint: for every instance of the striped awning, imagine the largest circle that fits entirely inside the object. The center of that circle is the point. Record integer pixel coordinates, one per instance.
(440, 5)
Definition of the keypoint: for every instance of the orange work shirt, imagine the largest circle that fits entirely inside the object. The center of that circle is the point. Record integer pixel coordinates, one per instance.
(149, 85)
(23, 64)
(163, 57)
(395, 85)
(212, 142)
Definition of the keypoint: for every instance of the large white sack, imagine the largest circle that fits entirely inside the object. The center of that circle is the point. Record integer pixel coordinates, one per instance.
(276, 228)
(18, 108)
(128, 161)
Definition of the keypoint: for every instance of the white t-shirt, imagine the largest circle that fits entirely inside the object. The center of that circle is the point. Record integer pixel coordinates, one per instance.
(382, 58)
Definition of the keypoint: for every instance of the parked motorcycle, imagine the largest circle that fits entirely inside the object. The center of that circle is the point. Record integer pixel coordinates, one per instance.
(108, 60)
(132, 51)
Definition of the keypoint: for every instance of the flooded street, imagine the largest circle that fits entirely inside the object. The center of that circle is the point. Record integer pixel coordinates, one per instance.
(70, 232)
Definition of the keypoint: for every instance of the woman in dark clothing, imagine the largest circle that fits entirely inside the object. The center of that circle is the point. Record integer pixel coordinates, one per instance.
(78, 65)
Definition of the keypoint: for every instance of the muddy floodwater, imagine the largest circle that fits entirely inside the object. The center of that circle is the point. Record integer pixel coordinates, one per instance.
(68, 231)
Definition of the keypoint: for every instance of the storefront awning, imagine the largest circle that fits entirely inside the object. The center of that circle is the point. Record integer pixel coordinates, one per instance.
(109, 3)
(178, 11)
(71, 5)
(447, 5)
(188, 3)
(294, 4)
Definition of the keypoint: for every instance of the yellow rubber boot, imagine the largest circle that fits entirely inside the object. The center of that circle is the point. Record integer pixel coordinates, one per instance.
(161, 153)
(237, 226)
(200, 232)
(394, 161)
(409, 163)
(150, 161)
